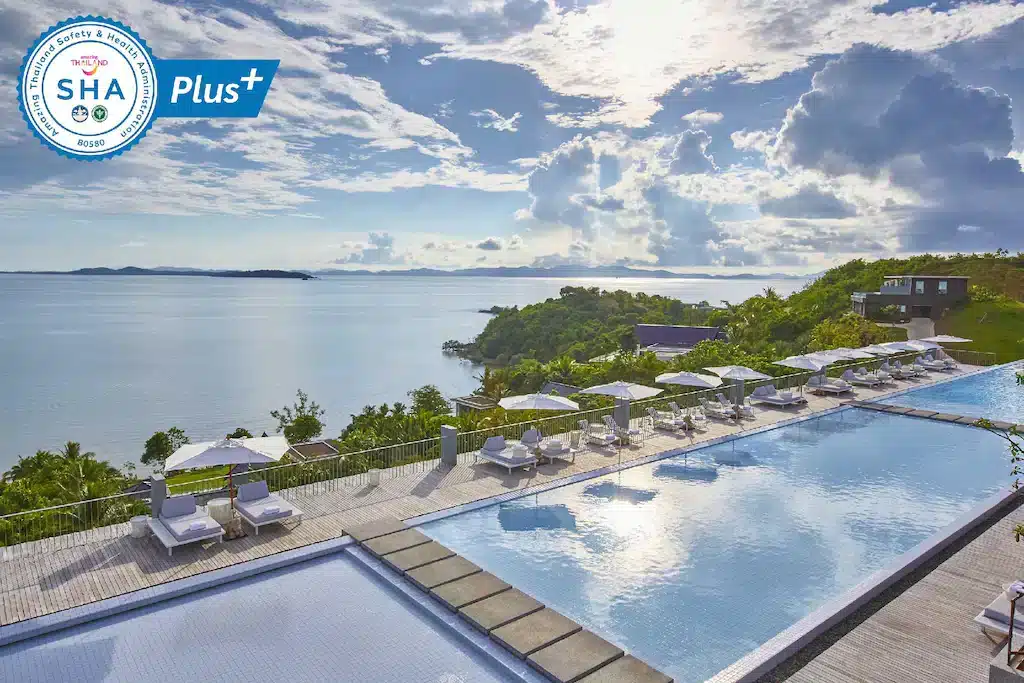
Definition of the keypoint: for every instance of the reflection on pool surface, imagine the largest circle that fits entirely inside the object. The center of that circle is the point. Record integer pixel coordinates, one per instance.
(691, 562)
(992, 394)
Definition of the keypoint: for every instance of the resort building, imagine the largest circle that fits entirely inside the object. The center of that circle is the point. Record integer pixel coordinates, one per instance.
(911, 296)
(468, 404)
(669, 341)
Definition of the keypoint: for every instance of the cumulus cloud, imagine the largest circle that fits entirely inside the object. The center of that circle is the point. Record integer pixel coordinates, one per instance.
(556, 181)
(690, 155)
(379, 250)
(875, 111)
(810, 201)
(499, 244)
(702, 117)
(684, 234)
(753, 140)
(496, 121)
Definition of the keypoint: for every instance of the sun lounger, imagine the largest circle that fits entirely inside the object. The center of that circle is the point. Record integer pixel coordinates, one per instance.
(531, 439)
(769, 394)
(181, 523)
(825, 386)
(510, 457)
(717, 410)
(625, 434)
(663, 421)
(950, 362)
(597, 434)
(929, 364)
(995, 618)
(554, 448)
(864, 380)
(906, 371)
(257, 506)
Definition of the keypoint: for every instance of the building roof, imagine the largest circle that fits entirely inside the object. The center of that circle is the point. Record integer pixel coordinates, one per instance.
(476, 402)
(312, 450)
(933, 277)
(676, 335)
(559, 388)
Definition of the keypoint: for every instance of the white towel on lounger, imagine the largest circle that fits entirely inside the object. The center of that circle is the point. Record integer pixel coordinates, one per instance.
(271, 509)
(197, 525)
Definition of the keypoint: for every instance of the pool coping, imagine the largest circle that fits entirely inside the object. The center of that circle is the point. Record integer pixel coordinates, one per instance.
(75, 616)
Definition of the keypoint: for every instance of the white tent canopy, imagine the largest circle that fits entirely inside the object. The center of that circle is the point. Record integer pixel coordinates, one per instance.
(627, 390)
(689, 379)
(254, 451)
(538, 402)
(946, 339)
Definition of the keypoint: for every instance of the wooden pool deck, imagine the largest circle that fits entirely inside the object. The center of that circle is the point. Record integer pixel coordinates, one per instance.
(56, 574)
(927, 632)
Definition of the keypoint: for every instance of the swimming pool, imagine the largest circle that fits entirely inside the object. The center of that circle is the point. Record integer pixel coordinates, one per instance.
(993, 394)
(323, 620)
(692, 561)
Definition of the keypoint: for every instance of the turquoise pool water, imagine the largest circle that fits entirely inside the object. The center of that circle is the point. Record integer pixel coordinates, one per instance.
(693, 561)
(992, 394)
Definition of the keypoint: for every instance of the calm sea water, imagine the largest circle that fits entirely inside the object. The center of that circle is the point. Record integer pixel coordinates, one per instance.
(107, 361)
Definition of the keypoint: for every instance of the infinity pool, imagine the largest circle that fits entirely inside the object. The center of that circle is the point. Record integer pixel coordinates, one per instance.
(992, 394)
(693, 561)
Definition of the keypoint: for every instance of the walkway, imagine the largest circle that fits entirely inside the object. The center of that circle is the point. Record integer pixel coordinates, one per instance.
(63, 572)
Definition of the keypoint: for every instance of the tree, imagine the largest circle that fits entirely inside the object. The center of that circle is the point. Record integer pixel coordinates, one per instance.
(240, 433)
(301, 421)
(429, 398)
(161, 446)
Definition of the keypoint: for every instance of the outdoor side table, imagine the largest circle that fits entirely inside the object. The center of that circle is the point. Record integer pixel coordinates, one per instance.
(139, 526)
(220, 510)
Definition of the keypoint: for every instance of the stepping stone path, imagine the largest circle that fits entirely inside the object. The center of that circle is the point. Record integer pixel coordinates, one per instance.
(932, 415)
(552, 644)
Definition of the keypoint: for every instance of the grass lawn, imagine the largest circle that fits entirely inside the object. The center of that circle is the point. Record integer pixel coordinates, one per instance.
(181, 481)
(996, 326)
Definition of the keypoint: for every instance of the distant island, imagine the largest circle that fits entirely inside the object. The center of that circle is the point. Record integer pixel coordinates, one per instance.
(194, 272)
(561, 272)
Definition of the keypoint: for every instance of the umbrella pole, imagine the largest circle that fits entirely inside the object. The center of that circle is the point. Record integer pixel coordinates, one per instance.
(231, 489)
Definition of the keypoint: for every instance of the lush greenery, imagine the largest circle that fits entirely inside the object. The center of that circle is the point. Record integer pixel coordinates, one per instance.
(993, 321)
(49, 479)
(301, 421)
(161, 446)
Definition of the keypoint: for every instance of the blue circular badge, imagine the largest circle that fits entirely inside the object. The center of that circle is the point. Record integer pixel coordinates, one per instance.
(87, 88)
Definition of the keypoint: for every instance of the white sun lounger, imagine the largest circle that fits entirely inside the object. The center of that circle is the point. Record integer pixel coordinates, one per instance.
(665, 421)
(864, 380)
(770, 395)
(929, 364)
(995, 618)
(817, 384)
(632, 434)
(554, 448)
(257, 506)
(717, 410)
(494, 450)
(597, 434)
(181, 523)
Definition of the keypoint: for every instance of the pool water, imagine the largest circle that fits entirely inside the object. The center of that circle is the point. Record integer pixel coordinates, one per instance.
(994, 394)
(322, 620)
(693, 561)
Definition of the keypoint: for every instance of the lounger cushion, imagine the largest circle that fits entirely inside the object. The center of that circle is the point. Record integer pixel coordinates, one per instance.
(999, 610)
(253, 491)
(495, 444)
(508, 458)
(255, 510)
(179, 526)
(178, 506)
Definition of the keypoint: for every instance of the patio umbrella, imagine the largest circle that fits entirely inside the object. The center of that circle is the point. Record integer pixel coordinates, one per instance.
(254, 451)
(627, 390)
(689, 379)
(739, 374)
(803, 363)
(946, 339)
(879, 350)
(922, 345)
(538, 402)
(849, 354)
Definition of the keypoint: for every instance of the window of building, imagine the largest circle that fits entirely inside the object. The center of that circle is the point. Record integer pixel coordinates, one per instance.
(919, 287)
(903, 308)
(943, 287)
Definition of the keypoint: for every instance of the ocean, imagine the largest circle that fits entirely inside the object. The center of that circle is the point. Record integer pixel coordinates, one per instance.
(108, 360)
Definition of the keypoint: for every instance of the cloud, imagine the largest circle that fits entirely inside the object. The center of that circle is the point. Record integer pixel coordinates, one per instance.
(810, 201)
(879, 113)
(559, 177)
(690, 154)
(753, 140)
(379, 250)
(133, 244)
(702, 117)
(496, 121)
(498, 244)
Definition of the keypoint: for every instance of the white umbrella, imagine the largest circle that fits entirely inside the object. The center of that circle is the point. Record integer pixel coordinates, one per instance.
(254, 451)
(879, 350)
(849, 354)
(803, 363)
(538, 402)
(737, 372)
(740, 374)
(922, 345)
(823, 357)
(689, 379)
(627, 390)
(946, 339)
(899, 347)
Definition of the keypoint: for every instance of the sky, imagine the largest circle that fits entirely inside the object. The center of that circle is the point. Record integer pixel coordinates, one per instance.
(688, 135)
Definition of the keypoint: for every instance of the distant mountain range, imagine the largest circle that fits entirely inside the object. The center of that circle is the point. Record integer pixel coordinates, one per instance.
(559, 272)
(166, 270)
